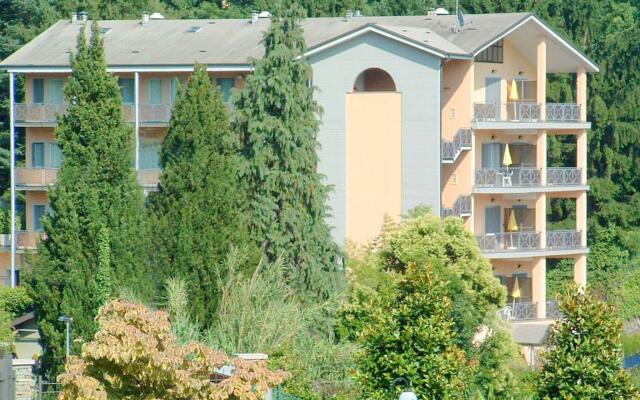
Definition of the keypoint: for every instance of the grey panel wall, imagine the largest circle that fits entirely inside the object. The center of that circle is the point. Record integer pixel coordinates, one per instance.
(417, 77)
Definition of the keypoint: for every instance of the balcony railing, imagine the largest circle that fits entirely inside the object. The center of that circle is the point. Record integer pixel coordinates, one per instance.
(38, 113)
(154, 113)
(149, 177)
(507, 177)
(46, 113)
(461, 208)
(563, 112)
(564, 176)
(525, 111)
(36, 176)
(5, 240)
(27, 239)
(564, 239)
(523, 311)
(509, 241)
(461, 141)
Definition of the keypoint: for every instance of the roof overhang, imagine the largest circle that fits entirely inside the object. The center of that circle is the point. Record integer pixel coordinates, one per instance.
(130, 68)
(377, 29)
(562, 56)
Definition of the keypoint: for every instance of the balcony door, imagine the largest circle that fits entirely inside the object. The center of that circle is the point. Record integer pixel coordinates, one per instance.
(492, 219)
(492, 155)
(493, 93)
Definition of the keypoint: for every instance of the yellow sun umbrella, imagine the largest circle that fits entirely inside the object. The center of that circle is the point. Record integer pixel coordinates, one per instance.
(513, 91)
(512, 224)
(515, 292)
(506, 159)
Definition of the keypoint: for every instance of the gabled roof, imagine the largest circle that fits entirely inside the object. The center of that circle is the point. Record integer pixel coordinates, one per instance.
(231, 43)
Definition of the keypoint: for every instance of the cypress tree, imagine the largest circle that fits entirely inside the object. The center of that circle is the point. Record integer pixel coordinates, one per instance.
(96, 190)
(199, 211)
(278, 124)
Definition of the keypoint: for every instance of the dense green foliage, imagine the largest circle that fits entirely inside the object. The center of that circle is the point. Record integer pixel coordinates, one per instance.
(276, 117)
(15, 301)
(96, 189)
(460, 274)
(584, 356)
(199, 211)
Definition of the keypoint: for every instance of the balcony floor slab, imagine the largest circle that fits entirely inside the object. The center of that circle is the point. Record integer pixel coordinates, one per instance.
(532, 189)
(517, 254)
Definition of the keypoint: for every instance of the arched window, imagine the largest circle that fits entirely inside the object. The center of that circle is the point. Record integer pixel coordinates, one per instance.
(374, 80)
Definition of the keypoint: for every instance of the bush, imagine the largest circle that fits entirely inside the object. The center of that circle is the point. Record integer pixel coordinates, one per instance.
(15, 301)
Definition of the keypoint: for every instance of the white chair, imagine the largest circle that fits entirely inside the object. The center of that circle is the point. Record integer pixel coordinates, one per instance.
(507, 179)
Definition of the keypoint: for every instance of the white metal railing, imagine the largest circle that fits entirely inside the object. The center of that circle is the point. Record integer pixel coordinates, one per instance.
(564, 176)
(525, 111)
(507, 177)
(485, 111)
(40, 113)
(564, 239)
(461, 141)
(36, 176)
(519, 311)
(508, 241)
(154, 113)
(569, 112)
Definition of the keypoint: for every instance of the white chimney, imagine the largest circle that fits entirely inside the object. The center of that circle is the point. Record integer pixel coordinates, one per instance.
(254, 17)
(84, 16)
(145, 18)
(74, 17)
(349, 15)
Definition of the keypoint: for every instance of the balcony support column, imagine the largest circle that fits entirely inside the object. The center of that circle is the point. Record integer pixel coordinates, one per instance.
(541, 218)
(581, 217)
(541, 75)
(541, 156)
(12, 172)
(136, 113)
(580, 271)
(581, 155)
(539, 287)
(581, 92)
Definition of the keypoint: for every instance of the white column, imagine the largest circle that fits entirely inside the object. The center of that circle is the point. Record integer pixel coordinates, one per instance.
(12, 173)
(137, 119)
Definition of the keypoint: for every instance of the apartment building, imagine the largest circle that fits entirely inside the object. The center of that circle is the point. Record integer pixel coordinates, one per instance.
(418, 110)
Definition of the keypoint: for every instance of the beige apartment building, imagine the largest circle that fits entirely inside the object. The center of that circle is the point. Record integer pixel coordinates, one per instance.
(424, 109)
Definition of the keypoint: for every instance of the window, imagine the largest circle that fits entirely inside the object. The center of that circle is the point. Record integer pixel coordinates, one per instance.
(226, 86)
(56, 91)
(37, 155)
(127, 89)
(492, 155)
(38, 213)
(155, 91)
(38, 91)
(149, 153)
(55, 155)
(492, 54)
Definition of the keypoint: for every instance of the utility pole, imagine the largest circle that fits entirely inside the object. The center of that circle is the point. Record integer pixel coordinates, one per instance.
(68, 321)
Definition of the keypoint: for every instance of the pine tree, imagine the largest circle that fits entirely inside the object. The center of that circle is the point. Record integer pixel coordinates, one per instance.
(584, 358)
(104, 289)
(96, 189)
(199, 211)
(277, 121)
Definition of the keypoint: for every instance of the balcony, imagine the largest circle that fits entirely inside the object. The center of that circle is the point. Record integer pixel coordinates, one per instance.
(37, 114)
(526, 311)
(461, 208)
(149, 178)
(564, 176)
(461, 141)
(527, 115)
(35, 178)
(26, 239)
(46, 114)
(526, 242)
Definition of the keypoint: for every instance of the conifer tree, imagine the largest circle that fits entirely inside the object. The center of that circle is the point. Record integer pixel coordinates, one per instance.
(199, 211)
(277, 120)
(96, 190)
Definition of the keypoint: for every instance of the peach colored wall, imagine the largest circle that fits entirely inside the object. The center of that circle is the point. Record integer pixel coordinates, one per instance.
(514, 62)
(539, 286)
(580, 270)
(5, 266)
(374, 164)
(36, 135)
(457, 83)
(481, 201)
(541, 74)
(509, 267)
(32, 198)
(28, 85)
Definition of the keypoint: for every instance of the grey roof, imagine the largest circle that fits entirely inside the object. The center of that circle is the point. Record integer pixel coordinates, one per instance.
(531, 333)
(236, 41)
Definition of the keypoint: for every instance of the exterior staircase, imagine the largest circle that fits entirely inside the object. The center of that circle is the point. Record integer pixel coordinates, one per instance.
(461, 208)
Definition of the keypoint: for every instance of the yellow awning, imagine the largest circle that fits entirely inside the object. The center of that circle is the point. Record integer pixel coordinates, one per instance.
(515, 292)
(512, 224)
(506, 159)
(513, 92)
